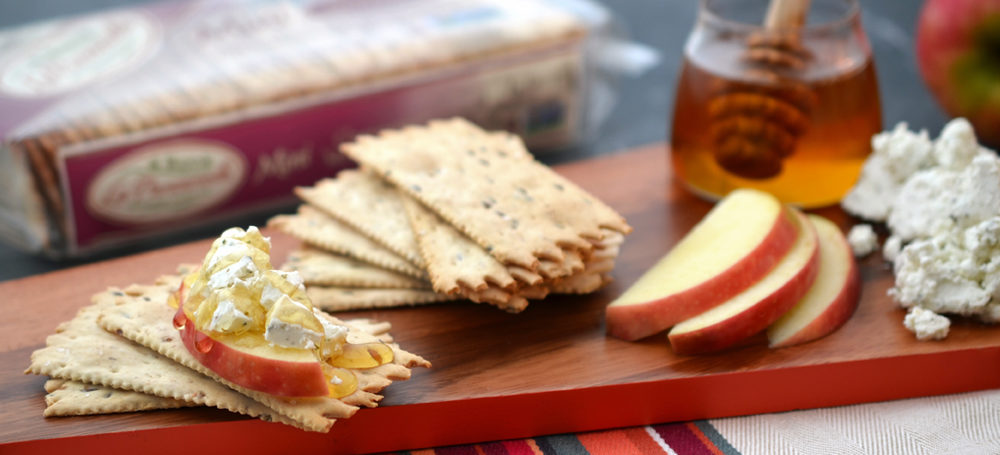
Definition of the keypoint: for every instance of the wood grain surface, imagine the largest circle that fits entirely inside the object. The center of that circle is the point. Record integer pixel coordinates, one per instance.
(496, 375)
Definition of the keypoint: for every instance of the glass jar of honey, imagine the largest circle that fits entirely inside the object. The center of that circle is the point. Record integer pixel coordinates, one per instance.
(779, 103)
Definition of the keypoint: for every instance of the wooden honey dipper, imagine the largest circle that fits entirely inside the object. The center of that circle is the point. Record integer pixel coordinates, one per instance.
(755, 126)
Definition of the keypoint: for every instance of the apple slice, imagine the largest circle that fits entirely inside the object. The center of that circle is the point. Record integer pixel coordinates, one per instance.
(759, 305)
(734, 246)
(272, 370)
(831, 299)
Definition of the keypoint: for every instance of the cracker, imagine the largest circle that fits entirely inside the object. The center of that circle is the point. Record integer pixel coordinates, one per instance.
(74, 398)
(82, 351)
(583, 283)
(313, 226)
(347, 299)
(571, 263)
(515, 207)
(453, 260)
(149, 323)
(320, 268)
(370, 206)
(510, 301)
(457, 265)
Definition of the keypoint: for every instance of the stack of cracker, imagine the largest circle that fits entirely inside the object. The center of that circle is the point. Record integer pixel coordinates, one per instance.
(122, 354)
(449, 211)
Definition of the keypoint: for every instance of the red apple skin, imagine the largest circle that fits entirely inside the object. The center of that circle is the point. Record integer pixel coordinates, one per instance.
(733, 330)
(838, 310)
(268, 375)
(632, 322)
(835, 315)
(956, 52)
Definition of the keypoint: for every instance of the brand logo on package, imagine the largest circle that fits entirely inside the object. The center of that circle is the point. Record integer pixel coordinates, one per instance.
(166, 181)
(77, 52)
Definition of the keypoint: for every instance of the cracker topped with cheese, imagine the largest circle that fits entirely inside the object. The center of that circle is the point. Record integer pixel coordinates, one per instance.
(232, 333)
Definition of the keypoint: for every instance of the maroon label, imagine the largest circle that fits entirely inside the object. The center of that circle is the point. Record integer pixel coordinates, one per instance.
(211, 172)
(161, 184)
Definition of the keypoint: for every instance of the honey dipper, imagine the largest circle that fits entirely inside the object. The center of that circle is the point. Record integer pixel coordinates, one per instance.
(755, 126)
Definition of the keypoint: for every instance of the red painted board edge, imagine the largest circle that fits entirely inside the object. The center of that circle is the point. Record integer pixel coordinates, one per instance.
(573, 410)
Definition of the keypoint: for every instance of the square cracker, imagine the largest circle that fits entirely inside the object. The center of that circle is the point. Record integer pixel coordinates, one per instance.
(82, 351)
(319, 229)
(322, 268)
(457, 265)
(516, 208)
(73, 398)
(149, 323)
(369, 205)
(347, 299)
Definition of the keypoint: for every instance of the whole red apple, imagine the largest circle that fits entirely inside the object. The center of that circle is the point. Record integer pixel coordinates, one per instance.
(958, 50)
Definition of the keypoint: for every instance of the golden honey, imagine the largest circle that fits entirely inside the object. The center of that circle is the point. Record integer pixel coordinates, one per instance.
(787, 114)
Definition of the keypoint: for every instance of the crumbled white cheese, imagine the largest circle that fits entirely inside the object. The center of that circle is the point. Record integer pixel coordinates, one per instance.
(943, 198)
(926, 324)
(288, 335)
(227, 318)
(895, 156)
(269, 295)
(330, 330)
(292, 277)
(956, 146)
(285, 325)
(938, 200)
(240, 272)
(914, 184)
(862, 239)
(239, 234)
(891, 248)
(228, 250)
(955, 272)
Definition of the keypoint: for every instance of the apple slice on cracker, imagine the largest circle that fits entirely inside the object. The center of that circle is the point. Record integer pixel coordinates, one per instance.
(197, 341)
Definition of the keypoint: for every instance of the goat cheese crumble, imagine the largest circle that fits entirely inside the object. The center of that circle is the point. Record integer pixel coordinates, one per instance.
(926, 324)
(862, 239)
(941, 203)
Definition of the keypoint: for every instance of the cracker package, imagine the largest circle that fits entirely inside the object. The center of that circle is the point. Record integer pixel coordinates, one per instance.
(136, 122)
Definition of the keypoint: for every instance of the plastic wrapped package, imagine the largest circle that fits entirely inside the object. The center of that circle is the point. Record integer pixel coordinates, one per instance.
(135, 122)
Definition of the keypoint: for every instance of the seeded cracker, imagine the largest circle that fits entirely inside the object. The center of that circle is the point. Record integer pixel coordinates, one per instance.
(72, 398)
(335, 299)
(314, 227)
(149, 323)
(516, 208)
(370, 206)
(82, 351)
(457, 265)
(320, 268)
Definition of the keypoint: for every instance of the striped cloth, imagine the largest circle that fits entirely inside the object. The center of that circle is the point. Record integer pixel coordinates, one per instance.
(695, 438)
(967, 423)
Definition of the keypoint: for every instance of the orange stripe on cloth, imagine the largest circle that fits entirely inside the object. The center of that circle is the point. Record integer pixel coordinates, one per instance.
(531, 445)
(642, 440)
(606, 442)
(703, 438)
(622, 441)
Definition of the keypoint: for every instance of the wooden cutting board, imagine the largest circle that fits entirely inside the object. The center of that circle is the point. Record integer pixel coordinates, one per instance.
(550, 369)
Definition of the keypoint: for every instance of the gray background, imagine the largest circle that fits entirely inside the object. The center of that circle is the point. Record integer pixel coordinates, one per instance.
(643, 112)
